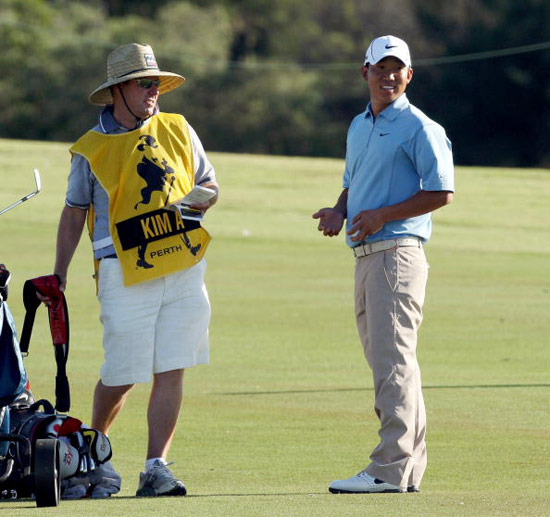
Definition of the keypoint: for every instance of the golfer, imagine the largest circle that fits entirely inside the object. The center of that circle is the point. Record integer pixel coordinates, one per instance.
(399, 168)
(125, 173)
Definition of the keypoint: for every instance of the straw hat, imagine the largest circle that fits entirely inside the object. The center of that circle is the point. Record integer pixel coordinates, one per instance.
(132, 61)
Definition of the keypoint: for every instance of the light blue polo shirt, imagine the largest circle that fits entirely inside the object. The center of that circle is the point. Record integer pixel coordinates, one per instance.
(390, 159)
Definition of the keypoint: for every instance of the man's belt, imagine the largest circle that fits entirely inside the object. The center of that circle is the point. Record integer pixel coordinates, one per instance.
(59, 326)
(374, 247)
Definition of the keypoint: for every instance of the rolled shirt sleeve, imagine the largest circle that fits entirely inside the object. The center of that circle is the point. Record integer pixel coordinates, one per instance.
(431, 152)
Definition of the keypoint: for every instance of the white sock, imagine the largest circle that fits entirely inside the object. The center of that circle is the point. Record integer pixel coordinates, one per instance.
(150, 463)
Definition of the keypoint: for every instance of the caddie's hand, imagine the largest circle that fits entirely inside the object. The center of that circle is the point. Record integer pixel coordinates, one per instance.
(365, 223)
(203, 207)
(46, 300)
(330, 221)
(62, 281)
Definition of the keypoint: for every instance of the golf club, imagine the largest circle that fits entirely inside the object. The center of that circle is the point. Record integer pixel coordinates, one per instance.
(28, 196)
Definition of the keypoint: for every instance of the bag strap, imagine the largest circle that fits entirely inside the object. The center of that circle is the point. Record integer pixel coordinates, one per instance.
(58, 314)
(46, 406)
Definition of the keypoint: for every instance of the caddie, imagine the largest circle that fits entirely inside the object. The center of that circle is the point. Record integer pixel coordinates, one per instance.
(125, 174)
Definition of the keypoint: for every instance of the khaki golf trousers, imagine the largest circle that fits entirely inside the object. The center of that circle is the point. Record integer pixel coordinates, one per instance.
(389, 294)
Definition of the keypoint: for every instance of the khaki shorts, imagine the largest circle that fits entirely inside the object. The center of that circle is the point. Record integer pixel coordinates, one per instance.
(152, 327)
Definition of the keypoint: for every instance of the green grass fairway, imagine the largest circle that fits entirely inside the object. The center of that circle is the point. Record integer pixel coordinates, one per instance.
(286, 404)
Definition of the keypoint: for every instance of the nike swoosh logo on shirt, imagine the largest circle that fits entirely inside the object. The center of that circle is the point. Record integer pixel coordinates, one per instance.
(391, 46)
(384, 134)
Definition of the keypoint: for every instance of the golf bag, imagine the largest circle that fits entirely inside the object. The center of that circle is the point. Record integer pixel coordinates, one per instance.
(81, 448)
(42, 451)
(13, 377)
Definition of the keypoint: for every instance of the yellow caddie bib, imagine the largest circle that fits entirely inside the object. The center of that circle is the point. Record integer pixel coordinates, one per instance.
(143, 171)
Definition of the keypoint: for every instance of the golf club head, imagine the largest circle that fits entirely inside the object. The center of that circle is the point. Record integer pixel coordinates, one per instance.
(37, 180)
(38, 183)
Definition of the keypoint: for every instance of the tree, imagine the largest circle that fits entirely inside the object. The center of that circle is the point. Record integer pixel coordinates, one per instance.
(281, 76)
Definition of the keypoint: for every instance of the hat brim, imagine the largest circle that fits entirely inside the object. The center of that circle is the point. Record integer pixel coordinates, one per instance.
(401, 58)
(169, 81)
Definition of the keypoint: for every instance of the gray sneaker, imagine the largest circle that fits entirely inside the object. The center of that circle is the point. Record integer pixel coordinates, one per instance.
(159, 481)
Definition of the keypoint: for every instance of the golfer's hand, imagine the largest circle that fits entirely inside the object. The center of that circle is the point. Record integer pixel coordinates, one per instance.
(330, 221)
(365, 223)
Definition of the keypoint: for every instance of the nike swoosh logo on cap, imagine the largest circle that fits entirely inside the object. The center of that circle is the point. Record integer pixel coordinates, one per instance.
(391, 46)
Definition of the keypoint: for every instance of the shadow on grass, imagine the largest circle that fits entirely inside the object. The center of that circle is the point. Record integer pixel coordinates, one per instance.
(196, 496)
(280, 494)
(336, 390)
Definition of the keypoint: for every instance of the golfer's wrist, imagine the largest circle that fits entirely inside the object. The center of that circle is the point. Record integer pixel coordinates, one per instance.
(341, 211)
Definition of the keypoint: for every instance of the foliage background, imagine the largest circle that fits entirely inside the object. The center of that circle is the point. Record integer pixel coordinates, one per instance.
(282, 77)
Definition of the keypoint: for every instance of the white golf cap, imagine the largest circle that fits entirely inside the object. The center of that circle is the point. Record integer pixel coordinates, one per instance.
(385, 46)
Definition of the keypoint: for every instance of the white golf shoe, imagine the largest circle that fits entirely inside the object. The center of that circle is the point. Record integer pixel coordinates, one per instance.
(362, 483)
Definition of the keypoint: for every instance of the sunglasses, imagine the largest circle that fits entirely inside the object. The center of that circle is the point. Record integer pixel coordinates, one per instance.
(147, 83)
